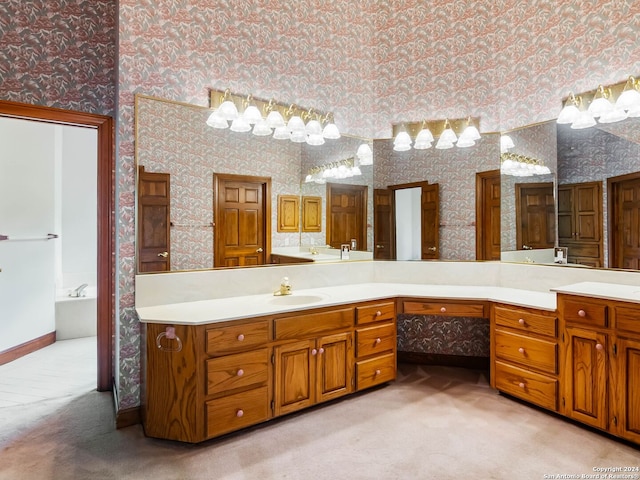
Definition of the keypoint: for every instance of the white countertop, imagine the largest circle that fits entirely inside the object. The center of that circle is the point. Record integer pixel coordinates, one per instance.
(606, 291)
(233, 308)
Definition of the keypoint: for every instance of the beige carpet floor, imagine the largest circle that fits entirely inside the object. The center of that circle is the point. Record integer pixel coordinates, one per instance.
(432, 423)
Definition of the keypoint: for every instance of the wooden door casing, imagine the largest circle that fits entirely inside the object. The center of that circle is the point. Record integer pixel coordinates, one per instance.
(347, 215)
(383, 224)
(154, 213)
(624, 212)
(242, 219)
(488, 232)
(535, 216)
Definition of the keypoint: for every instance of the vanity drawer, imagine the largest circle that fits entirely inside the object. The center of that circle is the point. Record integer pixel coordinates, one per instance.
(584, 312)
(236, 371)
(301, 326)
(234, 412)
(373, 340)
(532, 352)
(235, 338)
(529, 386)
(375, 313)
(446, 309)
(526, 321)
(375, 371)
(628, 319)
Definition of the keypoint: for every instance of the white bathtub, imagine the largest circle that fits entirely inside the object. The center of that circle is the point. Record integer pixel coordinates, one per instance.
(76, 316)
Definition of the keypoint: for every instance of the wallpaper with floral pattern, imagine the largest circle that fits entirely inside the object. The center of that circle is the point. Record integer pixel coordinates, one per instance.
(434, 334)
(372, 63)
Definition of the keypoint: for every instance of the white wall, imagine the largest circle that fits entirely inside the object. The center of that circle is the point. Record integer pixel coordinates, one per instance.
(27, 289)
(47, 185)
(408, 240)
(77, 207)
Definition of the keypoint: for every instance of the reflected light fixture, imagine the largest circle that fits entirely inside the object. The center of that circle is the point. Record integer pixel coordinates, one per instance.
(227, 108)
(330, 130)
(600, 105)
(506, 142)
(424, 139)
(251, 114)
(216, 120)
(365, 154)
(630, 96)
(570, 111)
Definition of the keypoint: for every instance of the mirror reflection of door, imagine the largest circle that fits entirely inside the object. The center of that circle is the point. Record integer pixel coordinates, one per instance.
(580, 222)
(488, 233)
(153, 221)
(416, 219)
(382, 224)
(535, 216)
(625, 221)
(346, 215)
(242, 213)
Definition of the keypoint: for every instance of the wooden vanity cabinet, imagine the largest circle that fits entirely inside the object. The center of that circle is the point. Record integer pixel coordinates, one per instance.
(375, 344)
(525, 354)
(602, 364)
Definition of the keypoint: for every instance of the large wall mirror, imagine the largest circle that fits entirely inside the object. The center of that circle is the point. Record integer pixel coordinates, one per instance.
(596, 177)
(178, 157)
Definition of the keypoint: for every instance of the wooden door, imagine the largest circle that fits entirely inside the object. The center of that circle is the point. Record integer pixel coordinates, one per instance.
(535, 216)
(295, 376)
(585, 395)
(488, 233)
(625, 222)
(628, 384)
(580, 222)
(346, 215)
(154, 200)
(383, 224)
(335, 366)
(242, 216)
(430, 222)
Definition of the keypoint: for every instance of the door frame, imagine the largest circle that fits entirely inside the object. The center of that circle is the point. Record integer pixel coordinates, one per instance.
(104, 125)
(422, 185)
(266, 196)
(363, 191)
(519, 187)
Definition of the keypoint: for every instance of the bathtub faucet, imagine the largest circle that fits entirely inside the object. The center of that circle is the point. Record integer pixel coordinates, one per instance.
(79, 292)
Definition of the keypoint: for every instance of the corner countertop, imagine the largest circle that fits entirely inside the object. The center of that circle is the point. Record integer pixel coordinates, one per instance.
(606, 291)
(234, 308)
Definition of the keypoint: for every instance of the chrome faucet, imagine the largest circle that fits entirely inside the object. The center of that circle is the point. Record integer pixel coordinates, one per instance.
(79, 292)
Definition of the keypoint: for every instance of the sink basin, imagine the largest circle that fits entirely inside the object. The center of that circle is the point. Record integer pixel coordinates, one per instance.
(294, 299)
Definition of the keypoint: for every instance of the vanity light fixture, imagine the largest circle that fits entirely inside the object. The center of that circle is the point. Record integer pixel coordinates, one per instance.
(598, 106)
(448, 138)
(341, 169)
(521, 166)
(506, 143)
(267, 117)
(365, 154)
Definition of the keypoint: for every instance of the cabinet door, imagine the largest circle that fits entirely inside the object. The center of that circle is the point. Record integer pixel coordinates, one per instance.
(628, 375)
(335, 366)
(295, 365)
(586, 377)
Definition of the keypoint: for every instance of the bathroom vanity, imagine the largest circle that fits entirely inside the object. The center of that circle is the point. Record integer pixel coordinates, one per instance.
(219, 365)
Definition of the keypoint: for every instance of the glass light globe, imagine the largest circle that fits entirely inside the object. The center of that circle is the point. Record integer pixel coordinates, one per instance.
(402, 142)
(443, 144)
(448, 136)
(568, 114)
(599, 106)
(216, 120)
(465, 142)
(315, 139)
(296, 125)
(275, 119)
(261, 129)
(298, 137)
(331, 132)
(628, 99)
(314, 128)
(364, 154)
(282, 133)
(584, 120)
(240, 125)
(228, 110)
(471, 133)
(252, 115)
(615, 115)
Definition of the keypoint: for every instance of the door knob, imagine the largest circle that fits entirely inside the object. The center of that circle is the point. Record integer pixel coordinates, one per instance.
(432, 249)
(379, 246)
(163, 254)
(260, 250)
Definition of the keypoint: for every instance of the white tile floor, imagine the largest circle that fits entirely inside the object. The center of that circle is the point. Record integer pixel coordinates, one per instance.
(35, 385)
(66, 368)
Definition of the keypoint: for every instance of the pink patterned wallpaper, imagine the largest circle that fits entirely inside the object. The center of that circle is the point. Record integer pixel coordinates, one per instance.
(59, 53)
(372, 63)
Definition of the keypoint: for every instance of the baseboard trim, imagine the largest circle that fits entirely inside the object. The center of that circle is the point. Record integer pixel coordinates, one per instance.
(26, 348)
(127, 416)
(481, 363)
